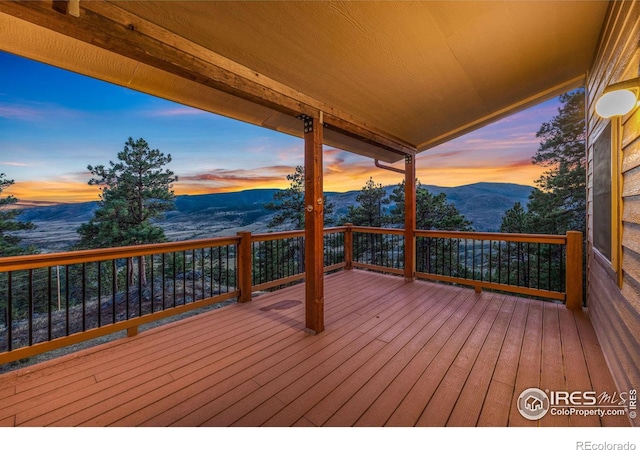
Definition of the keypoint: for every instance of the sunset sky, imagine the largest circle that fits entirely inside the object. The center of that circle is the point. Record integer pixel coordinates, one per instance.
(53, 123)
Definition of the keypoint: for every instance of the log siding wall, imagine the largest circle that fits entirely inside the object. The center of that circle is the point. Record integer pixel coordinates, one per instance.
(613, 290)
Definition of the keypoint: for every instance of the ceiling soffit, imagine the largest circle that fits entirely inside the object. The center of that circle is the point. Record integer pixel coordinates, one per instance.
(395, 75)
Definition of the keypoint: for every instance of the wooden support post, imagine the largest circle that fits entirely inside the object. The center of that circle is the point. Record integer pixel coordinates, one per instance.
(133, 331)
(409, 218)
(573, 283)
(244, 269)
(314, 225)
(348, 246)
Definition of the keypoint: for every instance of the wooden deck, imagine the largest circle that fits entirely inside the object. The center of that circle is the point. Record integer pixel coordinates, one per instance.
(393, 353)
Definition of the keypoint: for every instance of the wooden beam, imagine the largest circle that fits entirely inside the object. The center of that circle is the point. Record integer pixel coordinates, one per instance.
(409, 218)
(313, 224)
(107, 26)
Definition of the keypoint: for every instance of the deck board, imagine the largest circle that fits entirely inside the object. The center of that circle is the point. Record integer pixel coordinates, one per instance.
(393, 353)
(528, 374)
(466, 411)
(575, 365)
(552, 372)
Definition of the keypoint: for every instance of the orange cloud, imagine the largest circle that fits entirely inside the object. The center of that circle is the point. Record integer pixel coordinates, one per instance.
(53, 191)
(468, 175)
(343, 172)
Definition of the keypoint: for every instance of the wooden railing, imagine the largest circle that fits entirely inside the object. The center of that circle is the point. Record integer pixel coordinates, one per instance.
(378, 249)
(546, 266)
(533, 265)
(50, 301)
(53, 300)
(271, 260)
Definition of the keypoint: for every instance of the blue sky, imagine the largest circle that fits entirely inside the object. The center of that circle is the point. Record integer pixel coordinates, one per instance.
(53, 123)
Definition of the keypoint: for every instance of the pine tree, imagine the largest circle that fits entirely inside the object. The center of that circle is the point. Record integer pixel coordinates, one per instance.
(516, 220)
(134, 191)
(433, 211)
(289, 204)
(9, 242)
(370, 212)
(559, 203)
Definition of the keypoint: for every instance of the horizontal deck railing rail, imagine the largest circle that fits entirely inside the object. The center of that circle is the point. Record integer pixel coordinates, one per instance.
(48, 301)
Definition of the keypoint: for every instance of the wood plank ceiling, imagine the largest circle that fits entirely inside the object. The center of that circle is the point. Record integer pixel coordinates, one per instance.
(389, 77)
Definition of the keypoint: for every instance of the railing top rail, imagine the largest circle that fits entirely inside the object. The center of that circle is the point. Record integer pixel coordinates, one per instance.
(36, 261)
(276, 235)
(376, 230)
(290, 234)
(335, 230)
(486, 236)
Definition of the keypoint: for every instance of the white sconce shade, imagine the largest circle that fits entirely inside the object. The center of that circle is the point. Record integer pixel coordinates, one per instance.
(618, 99)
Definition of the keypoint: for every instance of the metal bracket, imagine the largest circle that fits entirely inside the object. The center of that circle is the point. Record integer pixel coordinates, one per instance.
(408, 159)
(308, 122)
(73, 8)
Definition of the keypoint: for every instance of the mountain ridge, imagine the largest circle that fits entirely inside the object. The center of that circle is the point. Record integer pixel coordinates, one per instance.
(211, 215)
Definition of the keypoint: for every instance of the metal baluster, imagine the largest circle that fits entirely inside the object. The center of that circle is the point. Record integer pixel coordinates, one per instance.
(538, 257)
(152, 286)
(184, 277)
(84, 296)
(10, 311)
(126, 292)
(30, 296)
(114, 290)
(99, 293)
(175, 273)
(66, 281)
(49, 300)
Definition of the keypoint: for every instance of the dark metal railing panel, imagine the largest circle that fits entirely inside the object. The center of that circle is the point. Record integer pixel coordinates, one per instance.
(377, 248)
(61, 296)
(278, 259)
(334, 253)
(39, 304)
(494, 261)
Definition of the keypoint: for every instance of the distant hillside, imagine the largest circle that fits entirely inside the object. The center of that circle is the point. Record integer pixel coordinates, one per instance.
(483, 204)
(209, 215)
(73, 212)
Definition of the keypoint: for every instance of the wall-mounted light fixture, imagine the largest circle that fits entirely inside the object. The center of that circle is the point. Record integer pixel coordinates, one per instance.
(618, 99)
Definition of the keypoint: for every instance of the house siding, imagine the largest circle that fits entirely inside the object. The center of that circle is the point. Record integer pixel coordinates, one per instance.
(615, 309)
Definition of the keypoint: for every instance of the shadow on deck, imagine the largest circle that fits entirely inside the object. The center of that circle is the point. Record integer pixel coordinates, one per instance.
(393, 354)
